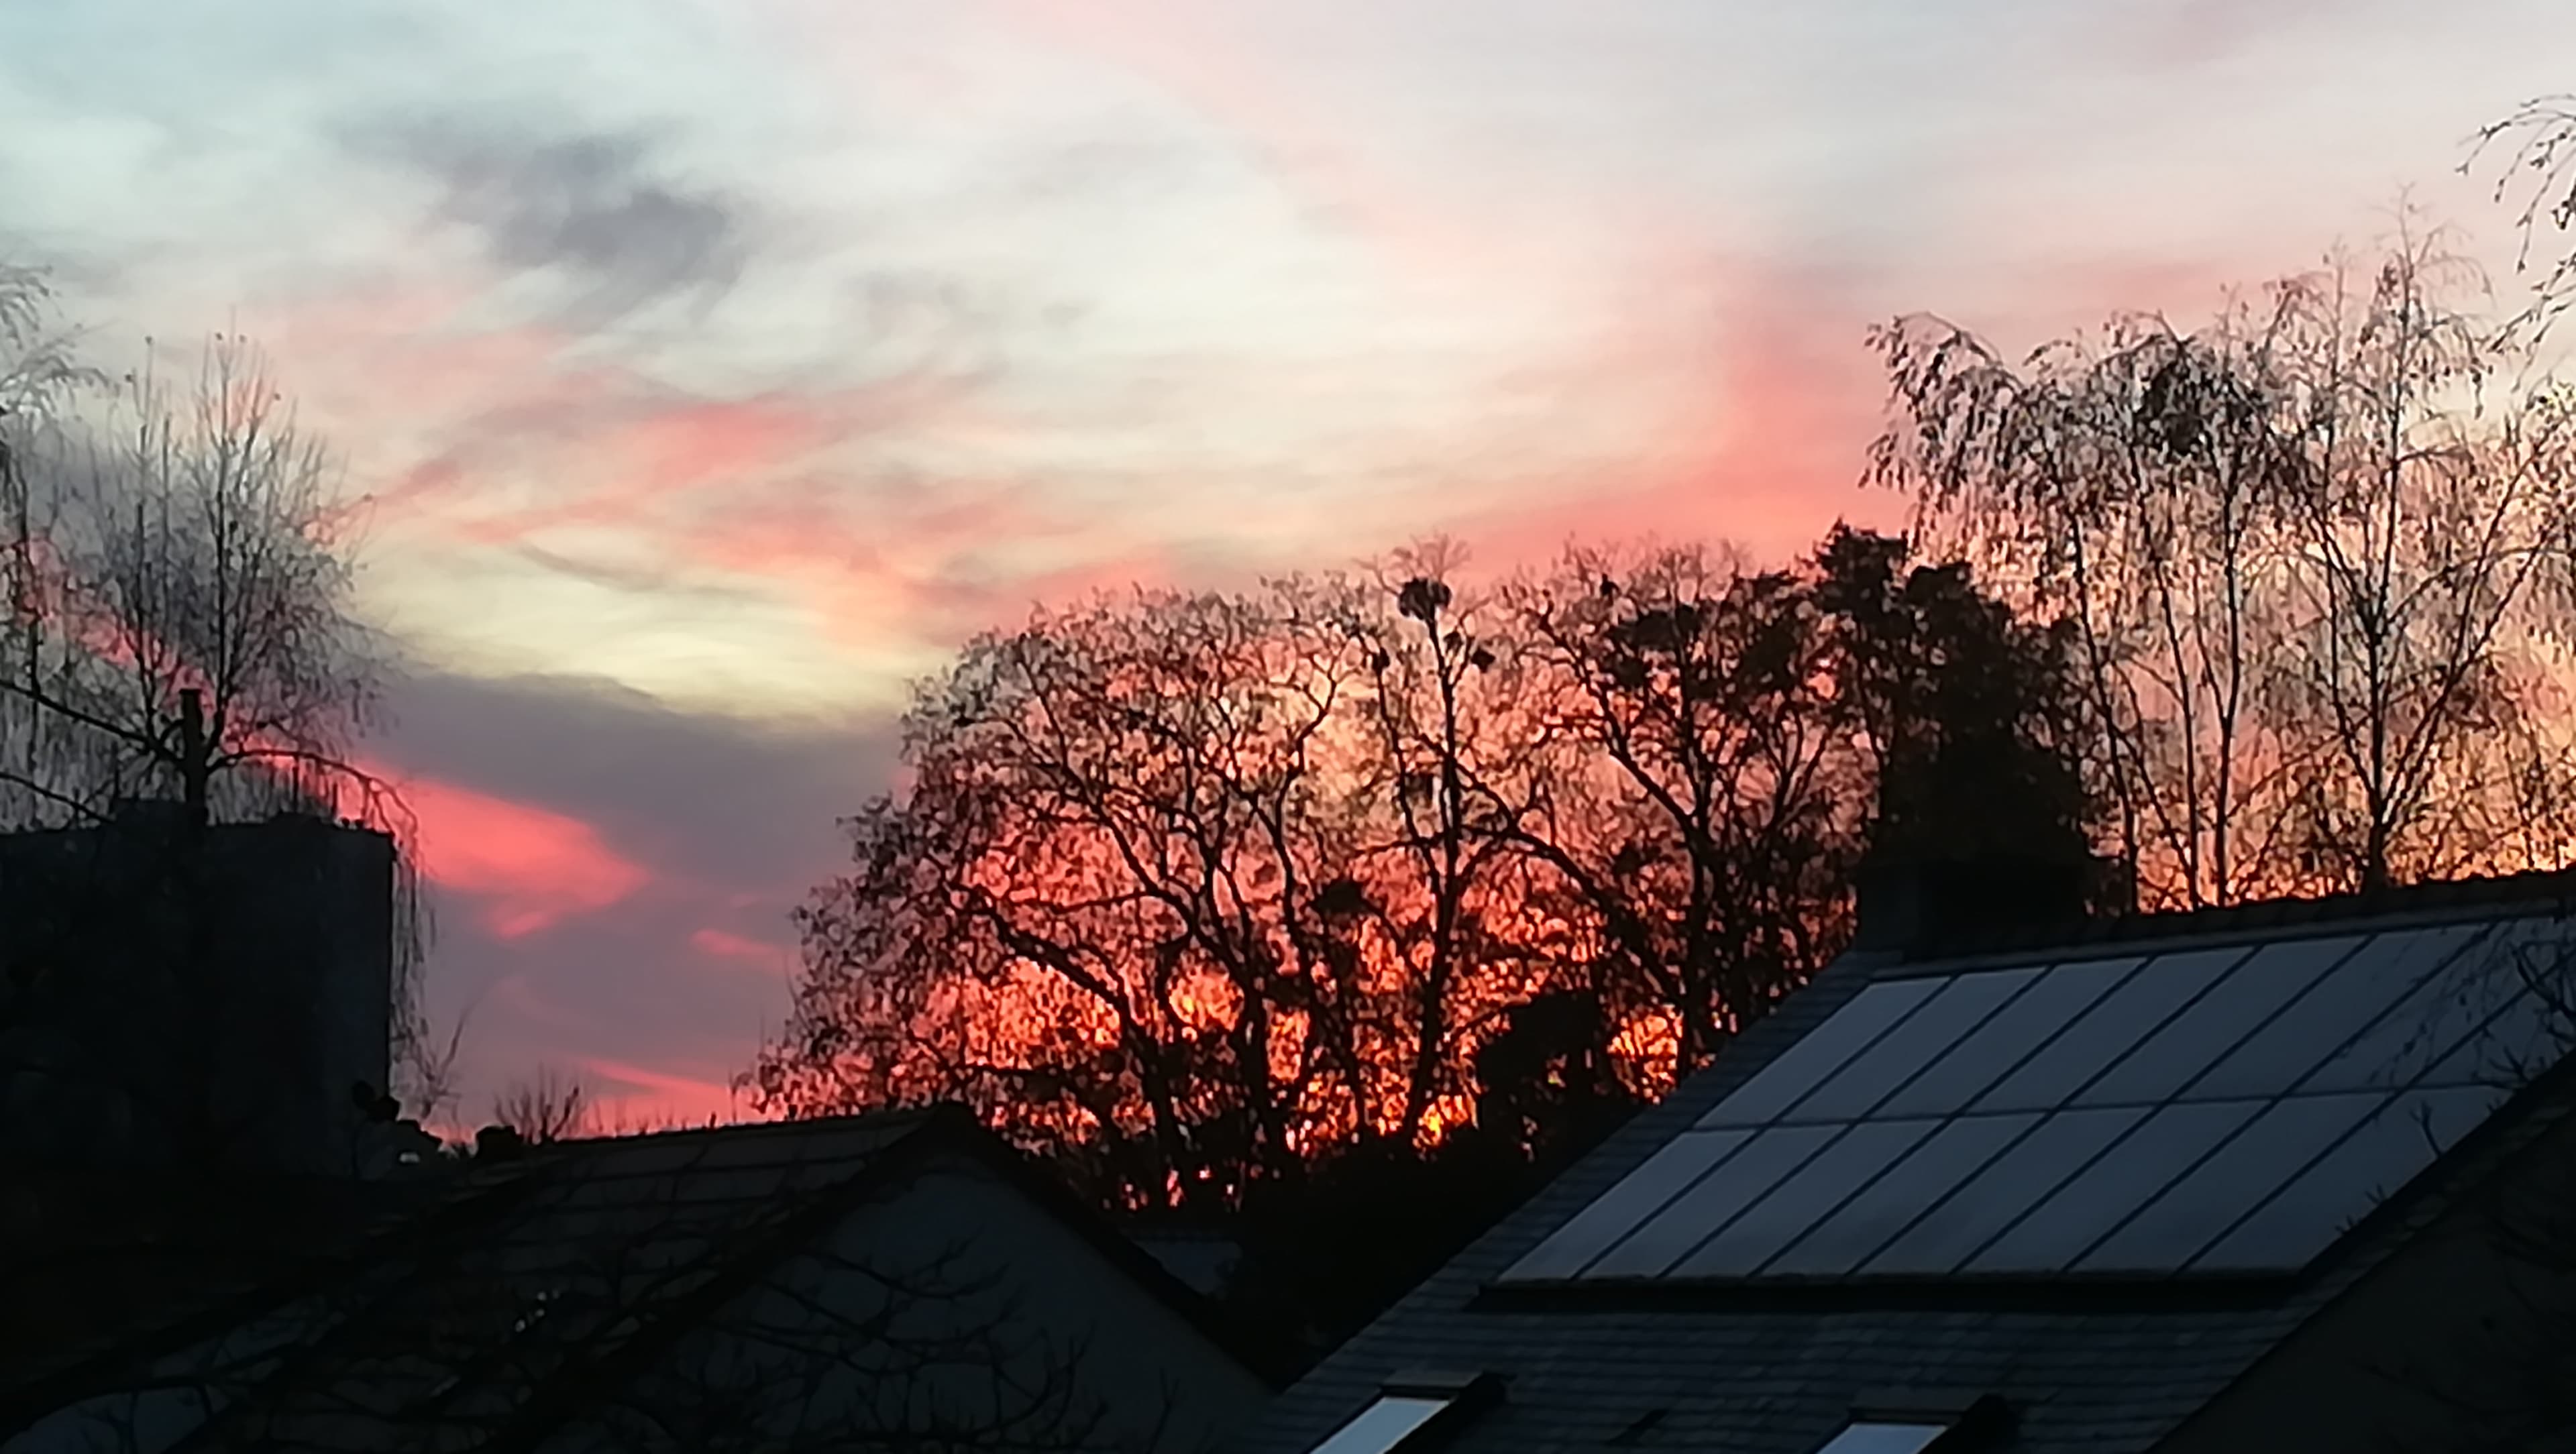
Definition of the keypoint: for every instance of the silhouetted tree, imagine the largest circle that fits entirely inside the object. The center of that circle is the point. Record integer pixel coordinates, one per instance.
(1438, 740)
(2302, 557)
(544, 1108)
(1177, 889)
(2534, 147)
(1966, 713)
(1198, 893)
(1698, 814)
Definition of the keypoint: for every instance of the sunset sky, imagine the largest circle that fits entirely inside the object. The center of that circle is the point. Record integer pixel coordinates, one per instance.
(715, 365)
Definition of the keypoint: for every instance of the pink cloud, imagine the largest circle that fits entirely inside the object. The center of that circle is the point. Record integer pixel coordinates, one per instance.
(660, 1095)
(464, 413)
(531, 868)
(513, 994)
(1174, 48)
(742, 949)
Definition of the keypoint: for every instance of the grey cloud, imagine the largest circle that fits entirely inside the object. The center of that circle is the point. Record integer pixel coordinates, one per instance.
(723, 802)
(738, 822)
(630, 580)
(601, 209)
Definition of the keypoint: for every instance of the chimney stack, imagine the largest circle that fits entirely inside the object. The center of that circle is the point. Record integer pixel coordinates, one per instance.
(1914, 905)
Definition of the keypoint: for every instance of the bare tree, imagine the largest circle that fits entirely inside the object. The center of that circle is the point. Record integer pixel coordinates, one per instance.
(2535, 146)
(1437, 718)
(2421, 562)
(1202, 892)
(544, 1108)
(2306, 556)
(40, 368)
(193, 555)
(1698, 802)
(1165, 893)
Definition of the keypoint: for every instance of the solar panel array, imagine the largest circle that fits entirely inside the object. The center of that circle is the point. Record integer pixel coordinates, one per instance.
(2206, 1110)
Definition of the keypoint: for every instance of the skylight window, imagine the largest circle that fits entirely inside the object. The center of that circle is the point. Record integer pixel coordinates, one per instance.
(1383, 1426)
(1920, 1424)
(1407, 1409)
(1876, 1438)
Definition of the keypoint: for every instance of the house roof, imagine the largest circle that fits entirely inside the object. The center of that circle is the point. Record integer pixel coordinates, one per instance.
(1204, 1258)
(531, 1286)
(99, 1262)
(1729, 1357)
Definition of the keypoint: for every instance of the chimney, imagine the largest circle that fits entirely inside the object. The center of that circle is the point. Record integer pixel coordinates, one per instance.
(1916, 904)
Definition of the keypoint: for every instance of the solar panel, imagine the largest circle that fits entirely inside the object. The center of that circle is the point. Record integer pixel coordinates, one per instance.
(2385, 1151)
(2214, 1024)
(1798, 1202)
(2110, 1029)
(2193, 1211)
(1665, 1238)
(2056, 994)
(1934, 1029)
(1951, 1231)
(2411, 1036)
(1870, 1220)
(2510, 1015)
(2516, 1043)
(2100, 1196)
(1642, 1193)
(2220, 1109)
(2335, 1010)
(1821, 1052)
